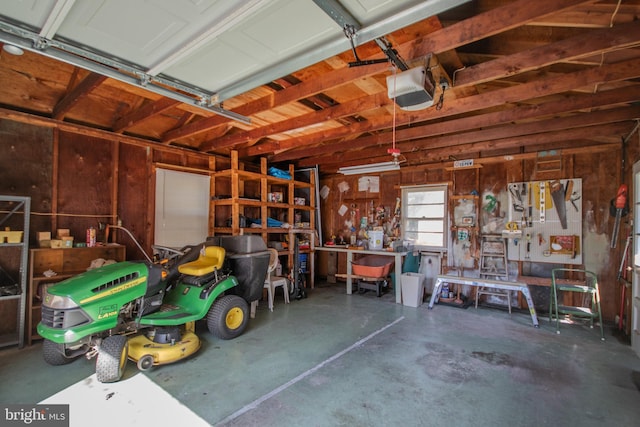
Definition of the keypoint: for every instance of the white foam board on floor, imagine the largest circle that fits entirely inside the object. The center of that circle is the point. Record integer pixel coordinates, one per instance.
(135, 401)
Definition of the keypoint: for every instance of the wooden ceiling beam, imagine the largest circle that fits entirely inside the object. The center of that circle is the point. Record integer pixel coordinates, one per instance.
(72, 98)
(332, 113)
(547, 140)
(422, 150)
(492, 22)
(468, 31)
(496, 98)
(46, 122)
(598, 14)
(532, 128)
(595, 42)
(490, 136)
(467, 150)
(146, 112)
(576, 102)
(291, 94)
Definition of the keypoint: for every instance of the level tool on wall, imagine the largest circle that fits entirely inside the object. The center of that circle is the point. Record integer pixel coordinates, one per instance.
(542, 202)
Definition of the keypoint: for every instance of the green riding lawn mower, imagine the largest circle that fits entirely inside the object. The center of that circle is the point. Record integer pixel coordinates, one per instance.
(146, 310)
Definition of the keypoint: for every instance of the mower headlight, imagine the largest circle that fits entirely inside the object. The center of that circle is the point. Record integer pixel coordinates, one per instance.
(58, 302)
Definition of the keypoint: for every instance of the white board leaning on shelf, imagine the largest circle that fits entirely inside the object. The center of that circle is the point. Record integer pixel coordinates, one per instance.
(548, 215)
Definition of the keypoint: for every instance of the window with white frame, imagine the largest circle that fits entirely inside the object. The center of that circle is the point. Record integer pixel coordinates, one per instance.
(424, 216)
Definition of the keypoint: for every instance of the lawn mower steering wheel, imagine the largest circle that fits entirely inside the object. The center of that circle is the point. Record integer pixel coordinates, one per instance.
(165, 252)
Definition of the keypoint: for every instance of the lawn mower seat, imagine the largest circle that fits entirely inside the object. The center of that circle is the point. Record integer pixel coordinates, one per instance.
(211, 259)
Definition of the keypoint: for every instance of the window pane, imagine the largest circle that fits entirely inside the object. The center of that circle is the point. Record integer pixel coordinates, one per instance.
(425, 216)
(433, 226)
(425, 239)
(432, 239)
(425, 197)
(425, 211)
(421, 225)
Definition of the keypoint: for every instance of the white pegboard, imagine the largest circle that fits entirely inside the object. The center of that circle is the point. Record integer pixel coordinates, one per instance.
(549, 216)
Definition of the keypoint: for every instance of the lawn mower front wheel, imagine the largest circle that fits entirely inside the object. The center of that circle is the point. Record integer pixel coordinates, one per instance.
(112, 358)
(55, 354)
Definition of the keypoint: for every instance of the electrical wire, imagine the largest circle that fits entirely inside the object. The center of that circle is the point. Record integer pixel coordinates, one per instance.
(441, 100)
(615, 12)
(66, 215)
(613, 17)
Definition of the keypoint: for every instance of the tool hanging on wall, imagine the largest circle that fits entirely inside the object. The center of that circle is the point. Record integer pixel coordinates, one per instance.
(543, 199)
(516, 195)
(529, 205)
(557, 194)
(621, 209)
(622, 275)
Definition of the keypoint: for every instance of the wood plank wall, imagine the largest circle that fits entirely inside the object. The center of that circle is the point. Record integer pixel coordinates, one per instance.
(599, 167)
(77, 180)
(92, 178)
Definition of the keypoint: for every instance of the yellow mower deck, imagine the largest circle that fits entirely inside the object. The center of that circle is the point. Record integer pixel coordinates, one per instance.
(147, 353)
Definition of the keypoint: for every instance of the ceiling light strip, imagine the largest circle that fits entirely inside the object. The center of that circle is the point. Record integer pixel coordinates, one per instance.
(371, 168)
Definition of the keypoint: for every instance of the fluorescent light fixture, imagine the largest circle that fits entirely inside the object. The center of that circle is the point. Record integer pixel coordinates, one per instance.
(372, 168)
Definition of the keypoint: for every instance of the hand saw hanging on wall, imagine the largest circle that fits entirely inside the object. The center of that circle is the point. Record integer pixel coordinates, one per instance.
(557, 194)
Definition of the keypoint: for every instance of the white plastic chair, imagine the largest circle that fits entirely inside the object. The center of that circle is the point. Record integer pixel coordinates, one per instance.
(272, 281)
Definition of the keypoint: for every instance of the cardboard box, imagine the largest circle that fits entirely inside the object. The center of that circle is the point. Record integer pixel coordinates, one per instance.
(44, 235)
(67, 241)
(44, 239)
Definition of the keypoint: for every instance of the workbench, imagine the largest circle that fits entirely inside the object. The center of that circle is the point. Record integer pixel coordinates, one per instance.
(350, 276)
(495, 284)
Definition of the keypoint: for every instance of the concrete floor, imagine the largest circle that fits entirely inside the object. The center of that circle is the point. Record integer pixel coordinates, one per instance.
(358, 360)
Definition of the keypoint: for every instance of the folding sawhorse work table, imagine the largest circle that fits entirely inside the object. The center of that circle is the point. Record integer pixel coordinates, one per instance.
(488, 283)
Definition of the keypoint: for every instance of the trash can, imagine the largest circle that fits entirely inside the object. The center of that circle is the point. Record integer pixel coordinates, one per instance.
(412, 289)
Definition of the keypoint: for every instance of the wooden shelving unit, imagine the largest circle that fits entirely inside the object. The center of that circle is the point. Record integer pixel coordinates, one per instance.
(65, 262)
(249, 200)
